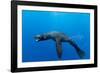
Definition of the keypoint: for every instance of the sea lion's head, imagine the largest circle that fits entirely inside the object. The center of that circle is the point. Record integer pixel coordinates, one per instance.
(40, 38)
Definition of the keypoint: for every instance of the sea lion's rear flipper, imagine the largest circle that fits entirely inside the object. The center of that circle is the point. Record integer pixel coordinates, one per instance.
(59, 48)
(80, 52)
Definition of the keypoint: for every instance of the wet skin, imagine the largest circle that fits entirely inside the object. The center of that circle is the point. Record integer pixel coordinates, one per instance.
(59, 37)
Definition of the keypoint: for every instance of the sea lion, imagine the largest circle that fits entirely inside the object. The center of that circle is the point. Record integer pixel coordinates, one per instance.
(59, 37)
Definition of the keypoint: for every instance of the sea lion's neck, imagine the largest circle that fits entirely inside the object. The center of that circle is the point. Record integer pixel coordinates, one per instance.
(48, 36)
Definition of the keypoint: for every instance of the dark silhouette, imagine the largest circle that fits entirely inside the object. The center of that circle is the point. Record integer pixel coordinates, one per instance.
(59, 37)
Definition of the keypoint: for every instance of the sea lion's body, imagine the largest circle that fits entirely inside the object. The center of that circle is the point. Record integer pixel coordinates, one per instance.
(59, 37)
(56, 36)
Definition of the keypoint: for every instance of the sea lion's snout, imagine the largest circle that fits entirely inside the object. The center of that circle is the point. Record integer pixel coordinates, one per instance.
(37, 38)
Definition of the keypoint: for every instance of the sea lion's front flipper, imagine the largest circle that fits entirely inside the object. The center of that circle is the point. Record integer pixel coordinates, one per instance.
(78, 50)
(59, 48)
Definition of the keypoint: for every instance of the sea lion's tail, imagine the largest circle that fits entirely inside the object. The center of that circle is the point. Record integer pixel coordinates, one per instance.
(80, 52)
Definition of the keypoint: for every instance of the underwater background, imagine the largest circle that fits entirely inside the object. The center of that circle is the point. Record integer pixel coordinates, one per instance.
(75, 25)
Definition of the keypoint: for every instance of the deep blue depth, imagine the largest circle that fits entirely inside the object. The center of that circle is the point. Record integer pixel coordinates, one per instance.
(74, 25)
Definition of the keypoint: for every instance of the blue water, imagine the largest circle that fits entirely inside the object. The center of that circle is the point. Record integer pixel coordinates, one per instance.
(74, 25)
